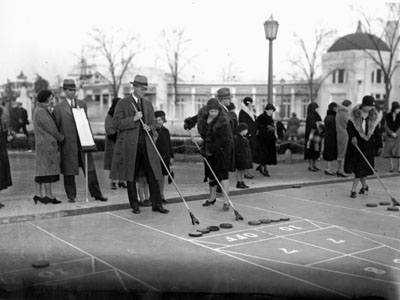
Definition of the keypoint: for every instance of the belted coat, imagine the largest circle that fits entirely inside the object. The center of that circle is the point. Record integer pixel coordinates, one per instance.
(46, 138)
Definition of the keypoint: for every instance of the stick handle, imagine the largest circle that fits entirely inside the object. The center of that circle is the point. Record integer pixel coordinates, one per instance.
(212, 171)
(162, 161)
(373, 170)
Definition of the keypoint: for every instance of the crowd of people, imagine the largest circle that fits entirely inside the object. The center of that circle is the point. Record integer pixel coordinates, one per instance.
(139, 155)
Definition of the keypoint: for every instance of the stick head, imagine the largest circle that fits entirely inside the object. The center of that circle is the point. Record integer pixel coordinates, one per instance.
(395, 202)
(238, 216)
(194, 219)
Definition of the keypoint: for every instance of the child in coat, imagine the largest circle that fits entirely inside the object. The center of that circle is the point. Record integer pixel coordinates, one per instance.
(164, 146)
(243, 159)
(315, 143)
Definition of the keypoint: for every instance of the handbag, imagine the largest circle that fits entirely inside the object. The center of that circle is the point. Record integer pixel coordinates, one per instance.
(11, 136)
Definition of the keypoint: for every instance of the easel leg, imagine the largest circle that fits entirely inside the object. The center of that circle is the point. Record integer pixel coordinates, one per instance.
(86, 178)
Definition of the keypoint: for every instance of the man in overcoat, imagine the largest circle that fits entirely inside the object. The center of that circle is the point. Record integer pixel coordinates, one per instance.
(133, 149)
(72, 155)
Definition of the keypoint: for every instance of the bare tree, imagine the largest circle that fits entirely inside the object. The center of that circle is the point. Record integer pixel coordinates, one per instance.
(308, 62)
(229, 70)
(390, 32)
(118, 55)
(175, 44)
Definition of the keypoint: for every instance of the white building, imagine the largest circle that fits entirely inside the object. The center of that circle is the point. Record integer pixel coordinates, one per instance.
(349, 72)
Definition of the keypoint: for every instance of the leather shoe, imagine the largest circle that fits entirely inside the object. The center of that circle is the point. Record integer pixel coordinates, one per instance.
(338, 174)
(70, 200)
(160, 209)
(101, 198)
(145, 203)
(136, 210)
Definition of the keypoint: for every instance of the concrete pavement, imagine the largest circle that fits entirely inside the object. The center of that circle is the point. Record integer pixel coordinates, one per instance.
(188, 170)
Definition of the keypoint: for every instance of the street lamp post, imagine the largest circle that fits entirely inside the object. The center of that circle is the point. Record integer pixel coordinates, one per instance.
(271, 30)
(283, 112)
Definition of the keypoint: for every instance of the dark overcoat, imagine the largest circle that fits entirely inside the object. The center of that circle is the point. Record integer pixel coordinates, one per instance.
(5, 171)
(164, 146)
(311, 121)
(330, 141)
(266, 140)
(244, 117)
(391, 147)
(203, 114)
(243, 158)
(217, 141)
(368, 141)
(71, 147)
(109, 143)
(124, 159)
(46, 138)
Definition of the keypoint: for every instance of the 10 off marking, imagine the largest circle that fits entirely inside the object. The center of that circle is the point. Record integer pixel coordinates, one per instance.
(375, 270)
(243, 236)
(53, 273)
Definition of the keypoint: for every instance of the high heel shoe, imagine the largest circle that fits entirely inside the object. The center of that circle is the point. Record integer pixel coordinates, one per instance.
(37, 199)
(364, 190)
(49, 200)
(122, 184)
(338, 174)
(208, 203)
(353, 195)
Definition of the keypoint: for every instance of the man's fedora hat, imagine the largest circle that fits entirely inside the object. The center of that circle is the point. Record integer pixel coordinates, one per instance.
(224, 93)
(69, 84)
(140, 80)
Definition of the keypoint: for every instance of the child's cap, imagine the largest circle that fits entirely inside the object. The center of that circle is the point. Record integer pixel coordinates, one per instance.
(160, 114)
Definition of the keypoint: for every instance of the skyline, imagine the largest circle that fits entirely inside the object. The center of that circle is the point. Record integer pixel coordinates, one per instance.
(37, 40)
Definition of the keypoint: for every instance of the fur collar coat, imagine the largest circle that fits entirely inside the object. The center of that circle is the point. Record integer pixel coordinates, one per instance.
(373, 119)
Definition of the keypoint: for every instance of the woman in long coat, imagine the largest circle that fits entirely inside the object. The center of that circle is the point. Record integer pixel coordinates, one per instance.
(247, 115)
(363, 129)
(391, 149)
(109, 144)
(214, 128)
(330, 142)
(342, 137)
(312, 118)
(47, 138)
(5, 172)
(266, 140)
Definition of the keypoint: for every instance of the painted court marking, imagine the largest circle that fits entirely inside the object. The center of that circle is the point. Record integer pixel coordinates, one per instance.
(93, 256)
(326, 204)
(235, 257)
(232, 254)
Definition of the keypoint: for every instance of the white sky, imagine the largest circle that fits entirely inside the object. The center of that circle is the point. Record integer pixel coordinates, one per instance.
(46, 36)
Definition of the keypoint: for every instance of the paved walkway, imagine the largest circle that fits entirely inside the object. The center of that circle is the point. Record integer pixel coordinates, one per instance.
(19, 205)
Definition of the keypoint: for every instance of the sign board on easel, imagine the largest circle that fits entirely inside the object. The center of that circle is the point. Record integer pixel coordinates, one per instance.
(84, 130)
(85, 137)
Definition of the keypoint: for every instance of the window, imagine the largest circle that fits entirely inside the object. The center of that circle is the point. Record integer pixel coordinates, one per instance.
(304, 106)
(372, 77)
(378, 76)
(285, 108)
(200, 102)
(180, 111)
(377, 96)
(339, 76)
